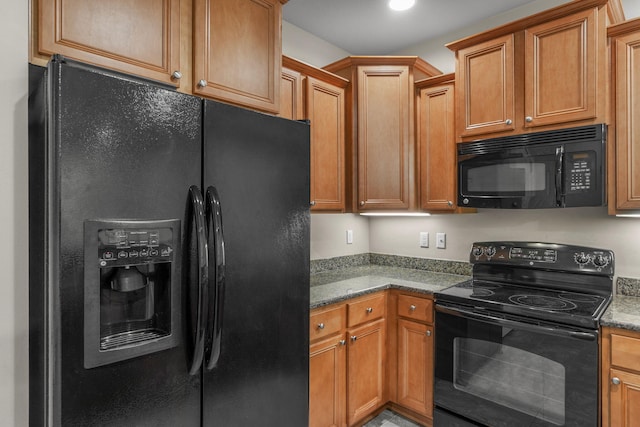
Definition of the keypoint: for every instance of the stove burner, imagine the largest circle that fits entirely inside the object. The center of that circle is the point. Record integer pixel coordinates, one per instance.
(579, 297)
(481, 292)
(476, 284)
(542, 302)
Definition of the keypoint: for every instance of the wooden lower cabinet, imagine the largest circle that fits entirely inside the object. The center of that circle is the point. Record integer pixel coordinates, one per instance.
(366, 370)
(415, 366)
(369, 353)
(327, 365)
(620, 378)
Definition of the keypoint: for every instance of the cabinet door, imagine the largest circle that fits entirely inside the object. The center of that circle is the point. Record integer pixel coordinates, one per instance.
(325, 110)
(140, 37)
(415, 366)
(624, 399)
(384, 137)
(291, 99)
(485, 82)
(236, 49)
(627, 78)
(365, 370)
(327, 367)
(560, 70)
(437, 148)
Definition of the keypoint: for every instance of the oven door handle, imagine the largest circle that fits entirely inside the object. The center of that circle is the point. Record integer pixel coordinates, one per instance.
(558, 331)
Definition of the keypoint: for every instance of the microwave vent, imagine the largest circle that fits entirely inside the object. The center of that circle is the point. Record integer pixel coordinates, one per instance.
(561, 136)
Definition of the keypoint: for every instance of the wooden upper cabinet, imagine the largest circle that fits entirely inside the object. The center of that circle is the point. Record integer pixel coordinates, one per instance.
(436, 143)
(381, 143)
(325, 111)
(384, 137)
(561, 59)
(486, 75)
(139, 37)
(543, 72)
(291, 98)
(237, 52)
(319, 96)
(624, 149)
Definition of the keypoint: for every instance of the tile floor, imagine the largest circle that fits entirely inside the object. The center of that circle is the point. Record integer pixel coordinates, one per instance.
(388, 418)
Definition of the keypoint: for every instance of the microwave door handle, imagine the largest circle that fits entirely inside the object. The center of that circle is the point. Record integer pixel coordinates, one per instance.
(558, 174)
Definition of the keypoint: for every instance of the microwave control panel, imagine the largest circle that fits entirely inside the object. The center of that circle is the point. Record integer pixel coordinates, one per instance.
(580, 168)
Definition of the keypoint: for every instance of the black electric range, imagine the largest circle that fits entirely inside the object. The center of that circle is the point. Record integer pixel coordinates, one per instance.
(546, 281)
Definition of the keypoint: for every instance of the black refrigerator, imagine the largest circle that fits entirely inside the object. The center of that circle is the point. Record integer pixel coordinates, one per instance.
(169, 256)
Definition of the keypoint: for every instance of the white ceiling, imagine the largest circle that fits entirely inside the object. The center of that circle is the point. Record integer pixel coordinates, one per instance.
(369, 27)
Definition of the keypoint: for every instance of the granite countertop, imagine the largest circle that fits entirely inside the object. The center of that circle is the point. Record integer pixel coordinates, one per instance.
(623, 312)
(333, 286)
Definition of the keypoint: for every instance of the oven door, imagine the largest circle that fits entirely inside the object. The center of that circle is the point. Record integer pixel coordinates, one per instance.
(504, 372)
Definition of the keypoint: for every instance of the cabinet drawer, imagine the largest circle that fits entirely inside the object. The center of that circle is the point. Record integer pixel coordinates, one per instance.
(625, 351)
(415, 308)
(366, 310)
(326, 322)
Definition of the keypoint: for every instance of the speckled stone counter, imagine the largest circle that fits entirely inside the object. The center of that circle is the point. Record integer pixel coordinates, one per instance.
(333, 286)
(623, 312)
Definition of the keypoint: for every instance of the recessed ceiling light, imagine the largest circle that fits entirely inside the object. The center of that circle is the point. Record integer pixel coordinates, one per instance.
(401, 4)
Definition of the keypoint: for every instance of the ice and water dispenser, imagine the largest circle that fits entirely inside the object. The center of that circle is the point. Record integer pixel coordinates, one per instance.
(131, 289)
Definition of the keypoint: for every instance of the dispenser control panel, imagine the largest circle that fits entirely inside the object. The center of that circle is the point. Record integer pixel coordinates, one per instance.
(119, 246)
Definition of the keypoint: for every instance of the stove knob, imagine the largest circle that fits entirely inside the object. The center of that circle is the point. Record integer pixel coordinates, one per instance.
(476, 251)
(600, 260)
(490, 251)
(581, 258)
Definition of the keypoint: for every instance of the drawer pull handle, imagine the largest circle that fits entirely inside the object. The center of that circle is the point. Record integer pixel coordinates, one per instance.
(353, 338)
(342, 342)
(412, 307)
(615, 380)
(320, 325)
(369, 310)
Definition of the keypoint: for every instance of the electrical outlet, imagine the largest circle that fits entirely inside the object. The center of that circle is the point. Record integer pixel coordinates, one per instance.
(424, 239)
(349, 237)
(441, 240)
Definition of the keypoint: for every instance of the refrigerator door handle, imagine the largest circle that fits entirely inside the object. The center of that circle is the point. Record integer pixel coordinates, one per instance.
(197, 208)
(216, 296)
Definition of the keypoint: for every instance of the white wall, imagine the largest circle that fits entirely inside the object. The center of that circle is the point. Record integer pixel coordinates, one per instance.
(399, 236)
(14, 285)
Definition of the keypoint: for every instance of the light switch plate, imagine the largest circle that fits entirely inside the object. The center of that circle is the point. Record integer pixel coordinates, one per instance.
(441, 240)
(424, 239)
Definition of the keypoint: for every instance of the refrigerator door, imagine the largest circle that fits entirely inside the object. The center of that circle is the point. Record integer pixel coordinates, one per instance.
(259, 165)
(117, 149)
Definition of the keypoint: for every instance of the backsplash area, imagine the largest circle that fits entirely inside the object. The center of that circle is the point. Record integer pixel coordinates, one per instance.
(624, 285)
(437, 265)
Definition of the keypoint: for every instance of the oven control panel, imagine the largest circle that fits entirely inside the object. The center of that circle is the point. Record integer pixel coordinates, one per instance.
(544, 255)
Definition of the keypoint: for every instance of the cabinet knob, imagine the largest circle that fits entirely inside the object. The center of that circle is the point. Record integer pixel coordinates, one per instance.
(428, 333)
(449, 203)
(615, 380)
(342, 342)
(202, 83)
(361, 202)
(528, 119)
(412, 307)
(353, 338)
(320, 325)
(508, 121)
(176, 75)
(312, 203)
(369, 310)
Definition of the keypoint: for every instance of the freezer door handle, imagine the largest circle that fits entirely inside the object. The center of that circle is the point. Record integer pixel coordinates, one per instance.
(216, 296)
(197, 209)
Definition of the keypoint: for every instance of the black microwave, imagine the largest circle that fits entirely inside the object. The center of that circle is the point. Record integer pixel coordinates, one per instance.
(550, 169)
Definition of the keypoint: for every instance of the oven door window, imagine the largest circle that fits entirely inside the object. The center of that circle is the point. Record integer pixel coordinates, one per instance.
(515, 375)
(510, 377)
